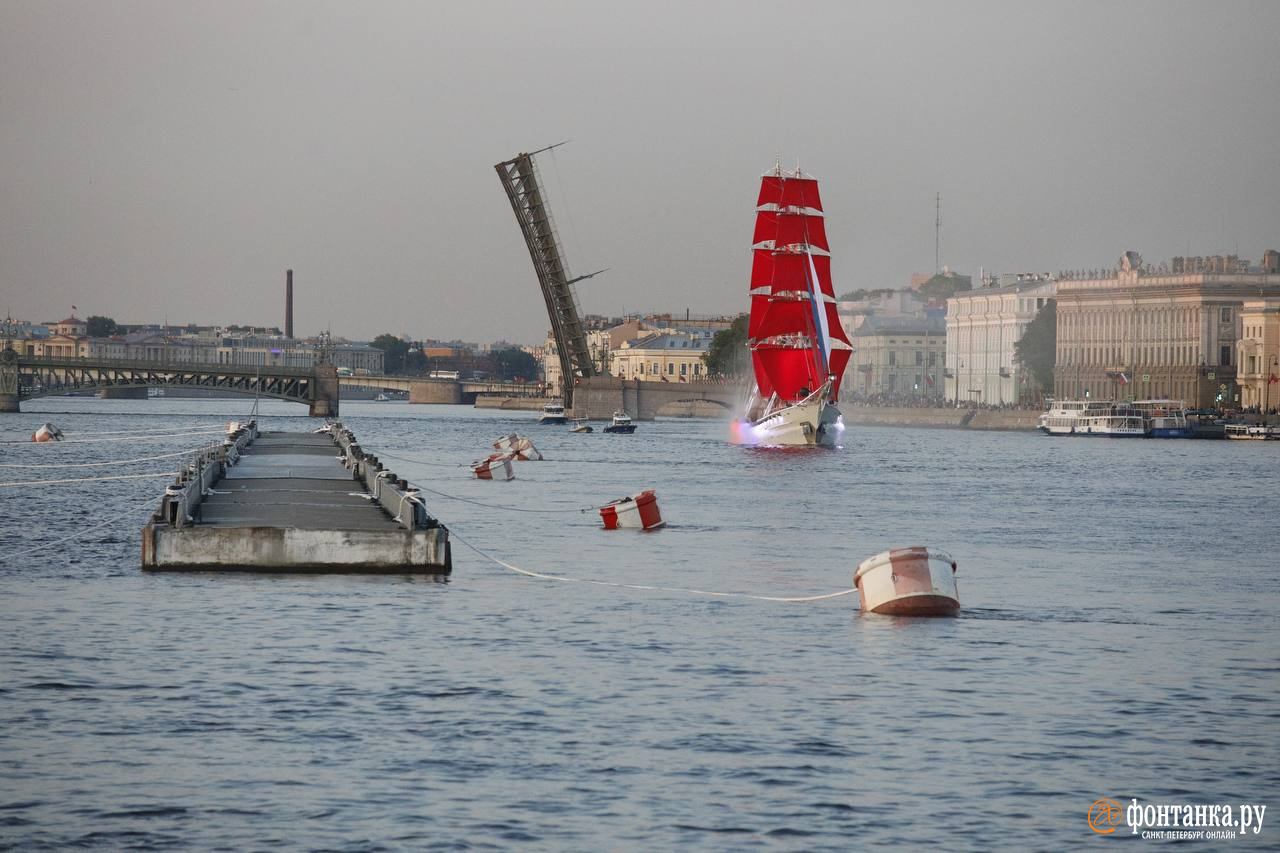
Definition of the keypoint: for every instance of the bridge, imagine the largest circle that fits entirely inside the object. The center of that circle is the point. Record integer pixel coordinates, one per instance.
(25, 377)
(600, 396)
(447, 391)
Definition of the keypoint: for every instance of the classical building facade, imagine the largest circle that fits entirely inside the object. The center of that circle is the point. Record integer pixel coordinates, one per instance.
(1258, 354)
(896, 357)
(663, 357)
(1139, 332)
(983, 326)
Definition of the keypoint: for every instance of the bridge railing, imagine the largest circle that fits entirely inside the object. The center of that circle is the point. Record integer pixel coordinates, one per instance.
(158, 366)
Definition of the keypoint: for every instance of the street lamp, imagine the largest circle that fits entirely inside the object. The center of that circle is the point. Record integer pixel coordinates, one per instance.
(1266, 389)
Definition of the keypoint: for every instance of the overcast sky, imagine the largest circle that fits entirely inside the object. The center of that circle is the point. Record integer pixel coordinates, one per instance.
(172, 159)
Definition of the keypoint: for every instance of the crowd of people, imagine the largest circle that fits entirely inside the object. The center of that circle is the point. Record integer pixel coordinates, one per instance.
(916, 401)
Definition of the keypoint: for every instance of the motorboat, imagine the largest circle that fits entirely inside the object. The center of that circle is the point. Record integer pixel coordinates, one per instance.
(553, 413)
(621, 423)
(580, 425)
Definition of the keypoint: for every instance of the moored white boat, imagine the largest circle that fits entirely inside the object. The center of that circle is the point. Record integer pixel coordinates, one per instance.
(1165, 418)
(913, 581)
(1251, 432)
(1122, 421)
(1063, 417)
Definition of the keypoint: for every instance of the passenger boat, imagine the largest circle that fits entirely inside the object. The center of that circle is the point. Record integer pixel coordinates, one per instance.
(621, 423)
(798, 347)
(1165, 418)
(1063, 417)
(580, 425)
(553, 413)
(1251, 432)
(1120, 421)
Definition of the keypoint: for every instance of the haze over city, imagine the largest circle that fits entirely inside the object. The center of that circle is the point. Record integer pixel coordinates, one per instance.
(170, 161)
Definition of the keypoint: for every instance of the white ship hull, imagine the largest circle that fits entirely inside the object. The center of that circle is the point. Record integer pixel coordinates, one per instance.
(809, 423)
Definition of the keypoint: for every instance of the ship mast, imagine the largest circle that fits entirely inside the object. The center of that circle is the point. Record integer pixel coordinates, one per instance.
(519, 177)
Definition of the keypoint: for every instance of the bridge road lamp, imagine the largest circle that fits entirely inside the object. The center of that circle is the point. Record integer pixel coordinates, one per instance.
(1272, 365)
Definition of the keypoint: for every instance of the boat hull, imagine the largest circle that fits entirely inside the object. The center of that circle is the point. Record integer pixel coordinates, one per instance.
(908, 582)
(806, 424)
(621, 429)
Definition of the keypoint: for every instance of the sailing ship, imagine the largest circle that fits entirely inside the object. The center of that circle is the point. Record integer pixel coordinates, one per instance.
(798, 347)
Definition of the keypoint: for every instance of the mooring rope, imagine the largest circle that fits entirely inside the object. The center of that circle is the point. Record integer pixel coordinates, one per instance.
(107, 462)
(646, 588)
(381, 454)
(90, 479)
(503, 508)
(12, 555)
(146, 429)
(121, 438)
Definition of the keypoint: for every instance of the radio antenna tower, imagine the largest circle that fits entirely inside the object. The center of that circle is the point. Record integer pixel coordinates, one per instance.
(937, 234)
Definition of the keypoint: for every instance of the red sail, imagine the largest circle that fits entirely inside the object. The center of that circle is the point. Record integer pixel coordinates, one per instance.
(785, 371)
(786, 229)
(789, 192)
(772, 316)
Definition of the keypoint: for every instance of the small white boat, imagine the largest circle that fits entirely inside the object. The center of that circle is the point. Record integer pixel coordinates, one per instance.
(1250, 432)
(622, 423)
(914, 581)
(638, 511)
(580, 425)
(381, 398)
(552, 413)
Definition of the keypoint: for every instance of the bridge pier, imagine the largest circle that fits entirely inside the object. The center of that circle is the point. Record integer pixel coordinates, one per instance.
(324, 392)
(9, 380)
(448, 393)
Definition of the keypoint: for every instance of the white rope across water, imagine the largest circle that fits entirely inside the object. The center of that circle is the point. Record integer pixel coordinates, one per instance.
(646, 588)
(107, 462)
(90, 479)
(46, 444)
(12, 555)
(170, 428)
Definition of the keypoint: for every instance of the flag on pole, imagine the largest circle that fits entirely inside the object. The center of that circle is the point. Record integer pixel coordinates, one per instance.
(1124, 380)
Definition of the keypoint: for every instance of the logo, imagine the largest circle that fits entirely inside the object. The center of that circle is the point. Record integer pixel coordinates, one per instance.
(1105, 816)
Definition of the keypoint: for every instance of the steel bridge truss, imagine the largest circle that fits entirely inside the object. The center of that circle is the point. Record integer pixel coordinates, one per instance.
(42, 377)
(519, 178)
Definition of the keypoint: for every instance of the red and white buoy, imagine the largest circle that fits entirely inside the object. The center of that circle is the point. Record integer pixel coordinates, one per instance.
(914, 581)
(637, 511)
(47, 432)
(496, 467)
(519, 448)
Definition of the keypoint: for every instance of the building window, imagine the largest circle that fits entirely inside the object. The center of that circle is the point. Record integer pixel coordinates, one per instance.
(653, 369)
(671, 368)
(683, 369)
(1225, 354)
(893, 358)
(1226, 314)
(933, 359)
(919, 358)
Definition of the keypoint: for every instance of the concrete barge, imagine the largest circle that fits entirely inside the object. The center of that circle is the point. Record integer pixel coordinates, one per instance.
(293, 502)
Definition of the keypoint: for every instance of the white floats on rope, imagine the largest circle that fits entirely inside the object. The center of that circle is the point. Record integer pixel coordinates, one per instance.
(187, 452)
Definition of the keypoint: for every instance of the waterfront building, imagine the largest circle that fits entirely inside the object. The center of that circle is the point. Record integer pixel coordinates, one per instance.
(1259, 354)
(983, 326)
(1143, 332)
(896, 357)
(674, 356)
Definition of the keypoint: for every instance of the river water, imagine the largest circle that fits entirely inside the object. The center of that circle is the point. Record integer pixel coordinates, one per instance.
(1118, 640)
